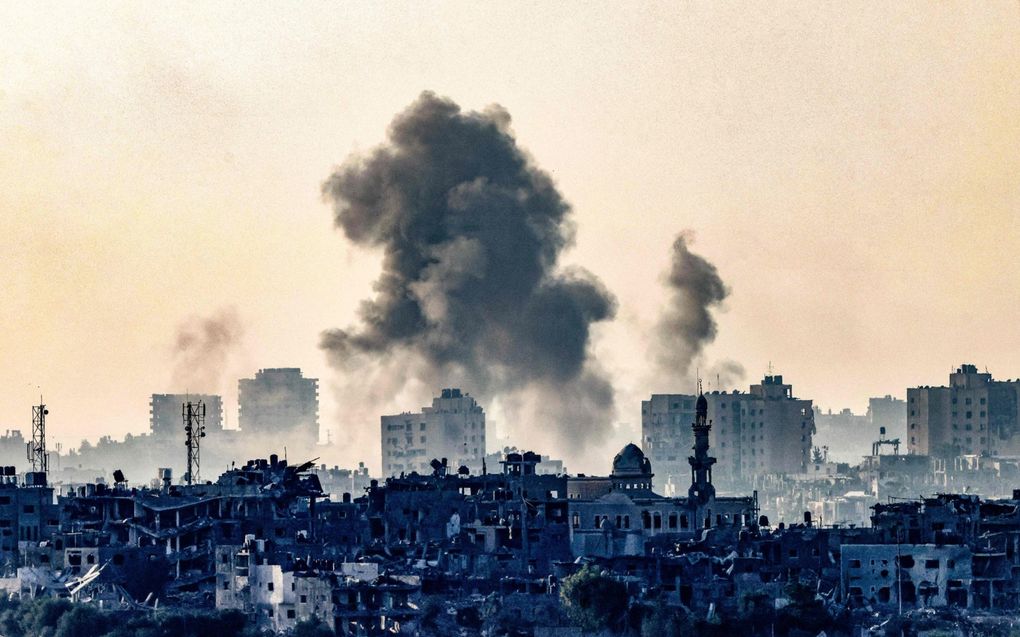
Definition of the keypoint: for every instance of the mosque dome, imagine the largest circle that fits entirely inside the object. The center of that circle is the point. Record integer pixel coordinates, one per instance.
(631, 461)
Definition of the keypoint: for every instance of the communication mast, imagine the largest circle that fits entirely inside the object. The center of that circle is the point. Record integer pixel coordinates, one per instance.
(37, 448)
(194, 430)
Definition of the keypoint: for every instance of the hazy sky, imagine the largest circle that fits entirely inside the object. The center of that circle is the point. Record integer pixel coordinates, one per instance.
(853, 171)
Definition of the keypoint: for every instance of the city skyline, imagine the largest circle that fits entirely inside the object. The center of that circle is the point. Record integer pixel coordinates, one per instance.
(850, 176)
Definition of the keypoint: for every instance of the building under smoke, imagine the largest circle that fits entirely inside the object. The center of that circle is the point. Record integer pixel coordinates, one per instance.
(765, 431)
(281, 404)
(667, 438)
(452, 428)
(165, 420)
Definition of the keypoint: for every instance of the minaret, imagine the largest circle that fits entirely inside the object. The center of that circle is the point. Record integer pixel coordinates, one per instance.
(701, 463)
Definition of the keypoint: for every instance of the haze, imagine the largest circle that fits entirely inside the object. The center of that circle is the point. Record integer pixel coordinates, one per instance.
(851, 170)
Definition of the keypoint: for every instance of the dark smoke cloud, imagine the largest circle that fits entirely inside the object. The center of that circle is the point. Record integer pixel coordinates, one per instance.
(724, 375)
(686, 324)
(470, 291)
(202, 347)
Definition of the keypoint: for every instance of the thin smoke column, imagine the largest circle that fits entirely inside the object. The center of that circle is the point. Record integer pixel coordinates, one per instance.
(470, 292)
(202, 347)
(686, 324)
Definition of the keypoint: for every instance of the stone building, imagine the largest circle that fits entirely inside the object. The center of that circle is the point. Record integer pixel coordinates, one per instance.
(452, 428)
(765, 431)
(280, 404)
(618, 516)
(167, 422)
(973, 415)
(666, 438)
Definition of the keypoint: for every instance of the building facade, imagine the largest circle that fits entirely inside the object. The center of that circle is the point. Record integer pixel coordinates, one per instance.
(974, 415)
(166, 420)
(765, 431)
(666, 438)
(280, 402)
(622, 515)
(452, 428)
(889, 412)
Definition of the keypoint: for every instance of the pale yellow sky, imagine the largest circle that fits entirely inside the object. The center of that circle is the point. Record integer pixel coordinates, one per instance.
(851, 169)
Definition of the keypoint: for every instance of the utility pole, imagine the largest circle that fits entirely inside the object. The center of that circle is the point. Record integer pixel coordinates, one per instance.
(193, 415)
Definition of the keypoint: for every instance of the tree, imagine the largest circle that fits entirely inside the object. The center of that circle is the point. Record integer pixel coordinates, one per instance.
(594, 601)
(665, 622)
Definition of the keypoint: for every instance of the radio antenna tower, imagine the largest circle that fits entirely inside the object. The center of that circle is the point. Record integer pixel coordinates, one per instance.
(37, 448)
(194, 430)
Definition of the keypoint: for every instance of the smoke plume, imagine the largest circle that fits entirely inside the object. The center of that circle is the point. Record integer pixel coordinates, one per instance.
(470, 293)
(686, 324)
(202, 347)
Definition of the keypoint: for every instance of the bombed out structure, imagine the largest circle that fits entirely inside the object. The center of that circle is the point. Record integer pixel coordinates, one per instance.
(266, 539)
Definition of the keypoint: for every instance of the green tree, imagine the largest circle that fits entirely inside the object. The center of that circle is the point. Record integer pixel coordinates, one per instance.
(594, 601)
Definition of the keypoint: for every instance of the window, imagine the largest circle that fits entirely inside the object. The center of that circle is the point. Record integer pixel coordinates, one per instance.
(931, 563)
(269, 586)
(226, 585)
(29, 508)
(290, 613)
(304, 599)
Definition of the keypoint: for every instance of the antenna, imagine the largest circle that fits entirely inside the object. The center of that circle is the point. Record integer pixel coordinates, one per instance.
(193, 414)
(37, 448)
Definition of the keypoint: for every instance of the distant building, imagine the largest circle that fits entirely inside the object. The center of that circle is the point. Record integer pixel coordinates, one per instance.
(452, 428)
(281, 403)
(889, 412)
(973, 415)
(765, 431)
(620, 515)
(844, 435)
(667, 439)
(166, 421)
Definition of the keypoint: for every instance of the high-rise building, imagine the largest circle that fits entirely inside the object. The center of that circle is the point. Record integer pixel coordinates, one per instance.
(973, 415)
(166, 421)
(281, 403)
(764, 431)
(452, 428)
(667, 439)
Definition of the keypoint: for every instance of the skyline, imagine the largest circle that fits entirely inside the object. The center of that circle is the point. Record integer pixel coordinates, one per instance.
(851, 177)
